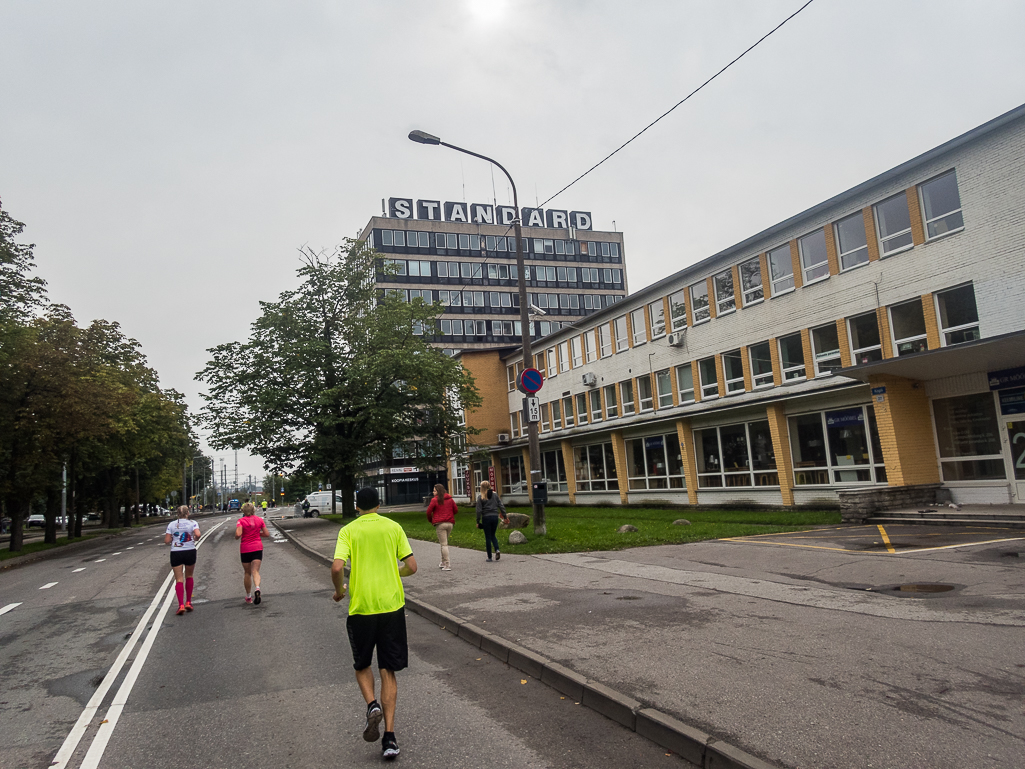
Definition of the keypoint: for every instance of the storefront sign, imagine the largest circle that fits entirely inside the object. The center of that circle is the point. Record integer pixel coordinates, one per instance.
(845, 418)
(1008, 377)
(653, 443)
(491, 477)
(408, 479)
(485, 213)
(1012, 401)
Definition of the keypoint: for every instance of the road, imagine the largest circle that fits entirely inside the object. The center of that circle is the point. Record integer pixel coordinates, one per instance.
(236, 685)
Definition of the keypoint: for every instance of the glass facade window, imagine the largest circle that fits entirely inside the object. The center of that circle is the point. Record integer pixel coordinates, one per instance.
(725, 299)
(840, 446)
(851, 241)
(611, 402)
(685, 383)
(825, 343)
(733, 371)
(657, 318)
(595, 468)
(791, 357)
(678, 310)
(553, 469)
(644, 394)
(626, 390)
(514, 478)
(751, 281)
(814, 262)
(664, 388)
(709, 378)
(781, 269)
(595, 396)
(941, 204)
(761, 364)
(865, 344)
(907, 323)
(622, 341)
(893, 222)
(640, 332)
(699, 302)
(655, 462)
(968, 438)
(735, 455)
(958, 315)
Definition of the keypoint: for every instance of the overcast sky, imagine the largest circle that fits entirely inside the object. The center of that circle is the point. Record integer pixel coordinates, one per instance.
(169, 159)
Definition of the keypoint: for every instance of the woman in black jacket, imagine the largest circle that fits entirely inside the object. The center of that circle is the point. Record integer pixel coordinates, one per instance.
(489, 510)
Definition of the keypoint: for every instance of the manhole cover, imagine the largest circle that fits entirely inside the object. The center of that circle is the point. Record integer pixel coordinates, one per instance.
(924, 588)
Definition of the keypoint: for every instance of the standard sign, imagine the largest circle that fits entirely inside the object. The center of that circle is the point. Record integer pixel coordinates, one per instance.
(532, 409)
(485, 213)
(531, 381)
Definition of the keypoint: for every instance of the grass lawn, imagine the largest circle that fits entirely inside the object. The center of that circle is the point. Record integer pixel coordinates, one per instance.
(37, 546)
(577, 529)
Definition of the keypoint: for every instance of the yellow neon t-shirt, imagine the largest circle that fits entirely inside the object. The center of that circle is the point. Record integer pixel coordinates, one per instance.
(375, 545)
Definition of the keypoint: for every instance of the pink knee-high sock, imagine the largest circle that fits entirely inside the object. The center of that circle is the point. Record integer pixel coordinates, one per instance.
(188, 589)
(179, 590)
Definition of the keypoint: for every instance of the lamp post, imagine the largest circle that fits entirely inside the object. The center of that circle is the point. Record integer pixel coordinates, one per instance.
(528, 358)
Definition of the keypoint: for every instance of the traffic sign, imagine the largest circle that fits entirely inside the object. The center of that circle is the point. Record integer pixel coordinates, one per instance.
(531, 381)
(532, 409)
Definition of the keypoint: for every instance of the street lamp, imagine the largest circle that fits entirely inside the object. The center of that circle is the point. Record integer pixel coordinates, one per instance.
(528, 358)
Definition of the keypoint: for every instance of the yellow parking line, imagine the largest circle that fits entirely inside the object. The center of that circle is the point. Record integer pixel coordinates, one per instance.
(886, 539)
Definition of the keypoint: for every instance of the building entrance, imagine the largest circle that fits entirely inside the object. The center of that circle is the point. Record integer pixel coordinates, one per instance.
(1016, 444)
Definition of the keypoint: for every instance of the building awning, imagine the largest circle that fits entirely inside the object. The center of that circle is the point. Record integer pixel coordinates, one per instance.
(992, 354)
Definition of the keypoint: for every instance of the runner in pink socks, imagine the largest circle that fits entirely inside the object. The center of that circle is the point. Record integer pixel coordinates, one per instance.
(182, 535)
(251, 529)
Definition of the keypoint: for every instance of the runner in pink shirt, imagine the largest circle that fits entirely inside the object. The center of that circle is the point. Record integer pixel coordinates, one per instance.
(251, 529)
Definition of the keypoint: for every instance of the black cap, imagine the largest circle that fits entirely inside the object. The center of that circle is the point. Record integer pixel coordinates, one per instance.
(367, 499)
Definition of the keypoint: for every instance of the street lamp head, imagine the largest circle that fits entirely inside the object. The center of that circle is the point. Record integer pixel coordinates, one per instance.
(420, 137)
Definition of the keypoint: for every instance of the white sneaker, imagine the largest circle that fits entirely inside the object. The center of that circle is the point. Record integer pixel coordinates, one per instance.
(446, 568)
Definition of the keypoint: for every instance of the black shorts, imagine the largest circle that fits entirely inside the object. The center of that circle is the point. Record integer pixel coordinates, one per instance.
(183, 557)
(255, 555)
(385, 631)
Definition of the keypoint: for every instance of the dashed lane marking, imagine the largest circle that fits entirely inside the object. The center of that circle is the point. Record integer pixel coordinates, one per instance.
(100, 561)
(10, 606)
(117, 553)
(48, 585)
(128, 548)
(73, 571)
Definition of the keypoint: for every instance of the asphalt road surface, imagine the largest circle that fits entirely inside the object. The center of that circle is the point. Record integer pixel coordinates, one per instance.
(236, 685)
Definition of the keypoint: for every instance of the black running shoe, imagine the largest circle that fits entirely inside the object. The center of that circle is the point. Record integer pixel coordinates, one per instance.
(389, 747)
(498, 556)
(256, 596)
(372, 731)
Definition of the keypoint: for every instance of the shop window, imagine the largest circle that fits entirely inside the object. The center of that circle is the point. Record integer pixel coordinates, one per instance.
(865, 343)
(907, 323)
(840, 446)
(644, 394)
(626, 390)
(514, 478)
(655, 462)
(657, 316)
(941, 204)
(699, 302)
(611, 402)
(761, 364)
(622, 341)
(958, 315)
(709, 378)
(595, 468)
(553, 469)
(781, 269)
(725, 299)
(751, 281)
(825, 344)
(851, 241)
(735, 455)
(640, 333)
(678, 310)
(595, 397)
(814, 262)
(605, 340)
(893, 222)
(664, 387)
(968, 438)
(791, 357)
(685, 383)
(733, 371)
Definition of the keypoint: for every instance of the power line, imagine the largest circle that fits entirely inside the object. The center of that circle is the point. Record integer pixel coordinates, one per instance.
(685, 98)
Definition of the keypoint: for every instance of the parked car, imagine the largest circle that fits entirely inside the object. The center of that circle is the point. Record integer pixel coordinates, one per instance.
(36, 520)
(320, 503)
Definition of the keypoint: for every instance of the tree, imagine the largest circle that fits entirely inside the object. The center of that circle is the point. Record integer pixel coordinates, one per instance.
(20, 294)
(335, 373)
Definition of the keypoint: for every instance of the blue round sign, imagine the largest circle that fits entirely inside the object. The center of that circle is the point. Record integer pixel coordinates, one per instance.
(531, 380)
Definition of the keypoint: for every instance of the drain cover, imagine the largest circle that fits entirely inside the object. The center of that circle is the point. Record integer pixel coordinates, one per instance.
(924, 588)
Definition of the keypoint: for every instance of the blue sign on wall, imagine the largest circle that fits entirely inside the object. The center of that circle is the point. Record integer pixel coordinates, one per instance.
(845, 418)
(1012, 401)
(1008, 377)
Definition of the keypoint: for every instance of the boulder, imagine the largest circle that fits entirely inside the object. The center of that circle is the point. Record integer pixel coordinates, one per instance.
(516, 521)
(681, 522)
(517, 538)
(627, 527)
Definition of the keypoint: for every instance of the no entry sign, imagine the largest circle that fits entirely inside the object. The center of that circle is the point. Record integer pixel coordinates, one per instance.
(531, 381)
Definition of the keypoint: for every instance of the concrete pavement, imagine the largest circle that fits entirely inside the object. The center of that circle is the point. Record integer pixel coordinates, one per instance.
(802, 656)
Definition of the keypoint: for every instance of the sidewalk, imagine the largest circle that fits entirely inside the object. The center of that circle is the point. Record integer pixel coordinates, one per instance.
(782, 652)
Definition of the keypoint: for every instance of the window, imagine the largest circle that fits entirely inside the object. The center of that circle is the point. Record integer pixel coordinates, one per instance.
(627, 390)
(699, 302)
(577, 352)
(751, 281)
(836, 447)
(589, 349)
(421, 293)
(510, 372)
(644, 393)
(865, 344)
(761, 364)
(851, 241)
(655, 462)
(546, 426)
(781, 269)
(685, 383)
(825, 343)
(968, 438)
(422, 269)
(791, 357)
(554, 470)
(563, 357)
(709, 378)
(595, 468)
(657, 316)
(958, 315)
(640, 333)
(605, 340)
(733, 371)
(942, 206)
(735, 455)
(514, 424)
(725, 299)
(567, 411)
(556, 407)
(664, 388)
(514, 478)
(907, 323)
(814, 262)
(582, 410)
(894, 224)
(595, 396)
(550, 355)
(621, 339)
(678, 310)
(611, 409)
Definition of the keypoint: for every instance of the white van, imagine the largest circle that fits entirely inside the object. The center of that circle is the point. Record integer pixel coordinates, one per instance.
(320, 503)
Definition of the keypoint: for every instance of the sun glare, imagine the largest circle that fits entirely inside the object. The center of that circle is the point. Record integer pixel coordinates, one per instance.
(487, 11)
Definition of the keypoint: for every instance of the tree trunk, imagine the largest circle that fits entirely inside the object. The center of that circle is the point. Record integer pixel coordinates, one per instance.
(137, 495)
(110, 511)
(77, 485)
(53, 501)
(18, 511)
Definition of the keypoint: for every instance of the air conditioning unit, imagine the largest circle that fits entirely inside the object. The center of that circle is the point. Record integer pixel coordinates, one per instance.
(503, 437)
(677, 339)
(589, 379)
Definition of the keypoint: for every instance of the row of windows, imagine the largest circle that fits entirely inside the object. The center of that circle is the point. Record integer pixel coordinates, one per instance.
(491, 328)
(476, 270)
(450, 241)
(499, 300)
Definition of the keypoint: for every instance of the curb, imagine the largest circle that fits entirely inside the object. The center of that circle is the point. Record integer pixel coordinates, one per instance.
(694, 745)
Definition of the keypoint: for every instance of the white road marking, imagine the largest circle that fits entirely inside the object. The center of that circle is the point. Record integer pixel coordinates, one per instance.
(77, 570)
(48, 585)
(100, 561)
(10, 606)
(127, 548)
(117, 553)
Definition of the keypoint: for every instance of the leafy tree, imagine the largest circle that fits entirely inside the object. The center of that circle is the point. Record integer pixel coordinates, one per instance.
(20, 294)
(335, 374)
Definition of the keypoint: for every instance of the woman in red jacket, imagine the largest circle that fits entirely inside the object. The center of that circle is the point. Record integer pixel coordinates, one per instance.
(442, 515)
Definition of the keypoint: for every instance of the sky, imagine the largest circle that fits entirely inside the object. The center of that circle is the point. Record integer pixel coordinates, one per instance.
(169, 160)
